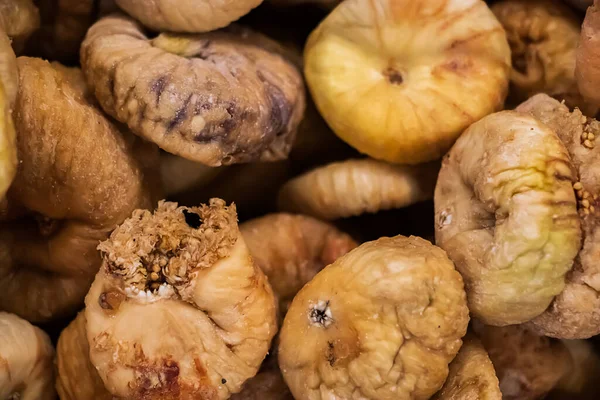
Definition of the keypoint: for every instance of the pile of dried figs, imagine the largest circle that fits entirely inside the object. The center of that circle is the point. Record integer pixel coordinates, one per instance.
(299, 199)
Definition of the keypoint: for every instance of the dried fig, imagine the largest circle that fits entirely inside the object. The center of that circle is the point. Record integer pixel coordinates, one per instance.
(291, 249)
(588, 55)
(472, 375)
(543, 36)
(381, 322)
(506, 213)
(187, 15)
(354, 187)
(8, 148)
(267, 385)
(78, 177)
(19, 19)
(575, 313)
(400, 80)
(26, 354)
(528, 366)
(217, 98)
(178, 309)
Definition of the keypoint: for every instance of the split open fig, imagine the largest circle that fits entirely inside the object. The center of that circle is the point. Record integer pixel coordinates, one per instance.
(78, 177)
(381, 322)
(217, 98)
(26, 356)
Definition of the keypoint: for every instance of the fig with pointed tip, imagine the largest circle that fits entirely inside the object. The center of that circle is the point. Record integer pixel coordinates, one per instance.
(26, 355)
(381, 322)
(399, 80)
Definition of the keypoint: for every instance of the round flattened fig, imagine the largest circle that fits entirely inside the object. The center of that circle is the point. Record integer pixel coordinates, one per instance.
(187, 15)
(218, 98)
(19, 19)
(354, 187)
(506, 213)
(543, 36)
(472, 375)
(587, 68)
(267, 385)
(8, 147)
(527, 365)
(178, 309)
(26, 355)
(78, 177)
(292, 249)
(77, 378)
(381, 322)
(400, 80)
(575, 313)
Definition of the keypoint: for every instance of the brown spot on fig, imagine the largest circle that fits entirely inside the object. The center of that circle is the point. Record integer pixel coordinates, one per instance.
(393, 76)
(111, 300)
(158, 86)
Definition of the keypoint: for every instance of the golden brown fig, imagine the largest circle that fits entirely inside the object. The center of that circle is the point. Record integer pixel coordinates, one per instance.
(26, 371)
(399, 80)
(528, 366)
(543, 36)
(354, 187)
(9, 74)
(267, 385)
(218, 98)
(506, 213)
(178, 309)
(19, 19)
(8, 147)
(575, 313)
(78, 177)
(588, 55)
(382, 322)
(77, 378)
(187, 15)
(472, 375)
(292, 249)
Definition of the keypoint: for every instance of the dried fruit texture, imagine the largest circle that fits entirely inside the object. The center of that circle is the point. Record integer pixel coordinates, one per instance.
(187, 15)
(292, 249)
(382, 322)
(543, 36)
(528, 366)
(64, 24)
(217, 98)
(77, 178)
(355, 187)
(400, 80)
(581, 381)
(506, 213)
(575, 313)
(179, 174)
(8, 146)
(588, 55)
(26, 355)
(77, 378)
(267, 385)
(9, 74)
(472, 375)
(178, 309)
(19, 19)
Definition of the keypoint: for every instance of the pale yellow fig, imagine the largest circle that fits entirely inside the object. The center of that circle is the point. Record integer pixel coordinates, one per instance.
(26, 354)
(178, 309)
(381, 323)
(506, 213)
(354, 187)
(400, 80)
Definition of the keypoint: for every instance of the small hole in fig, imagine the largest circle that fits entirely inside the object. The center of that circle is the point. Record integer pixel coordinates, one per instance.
(192, 219)
(393, 76)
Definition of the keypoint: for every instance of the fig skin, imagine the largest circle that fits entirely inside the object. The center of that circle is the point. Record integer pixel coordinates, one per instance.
(26, 356)
(497, 199)
(187, 15)
(218, 98)
(472, 375)
(19, 19)
(399, 80)
(543, 35)
(575, 313)
(587, 69)
(8, 146)
(78, 177)
(382, 322)
(353, 187)
(178, 309)
(528, 365)
(292, 249)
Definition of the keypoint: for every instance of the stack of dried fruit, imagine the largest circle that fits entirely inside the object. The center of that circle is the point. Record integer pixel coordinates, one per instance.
(122, 172)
